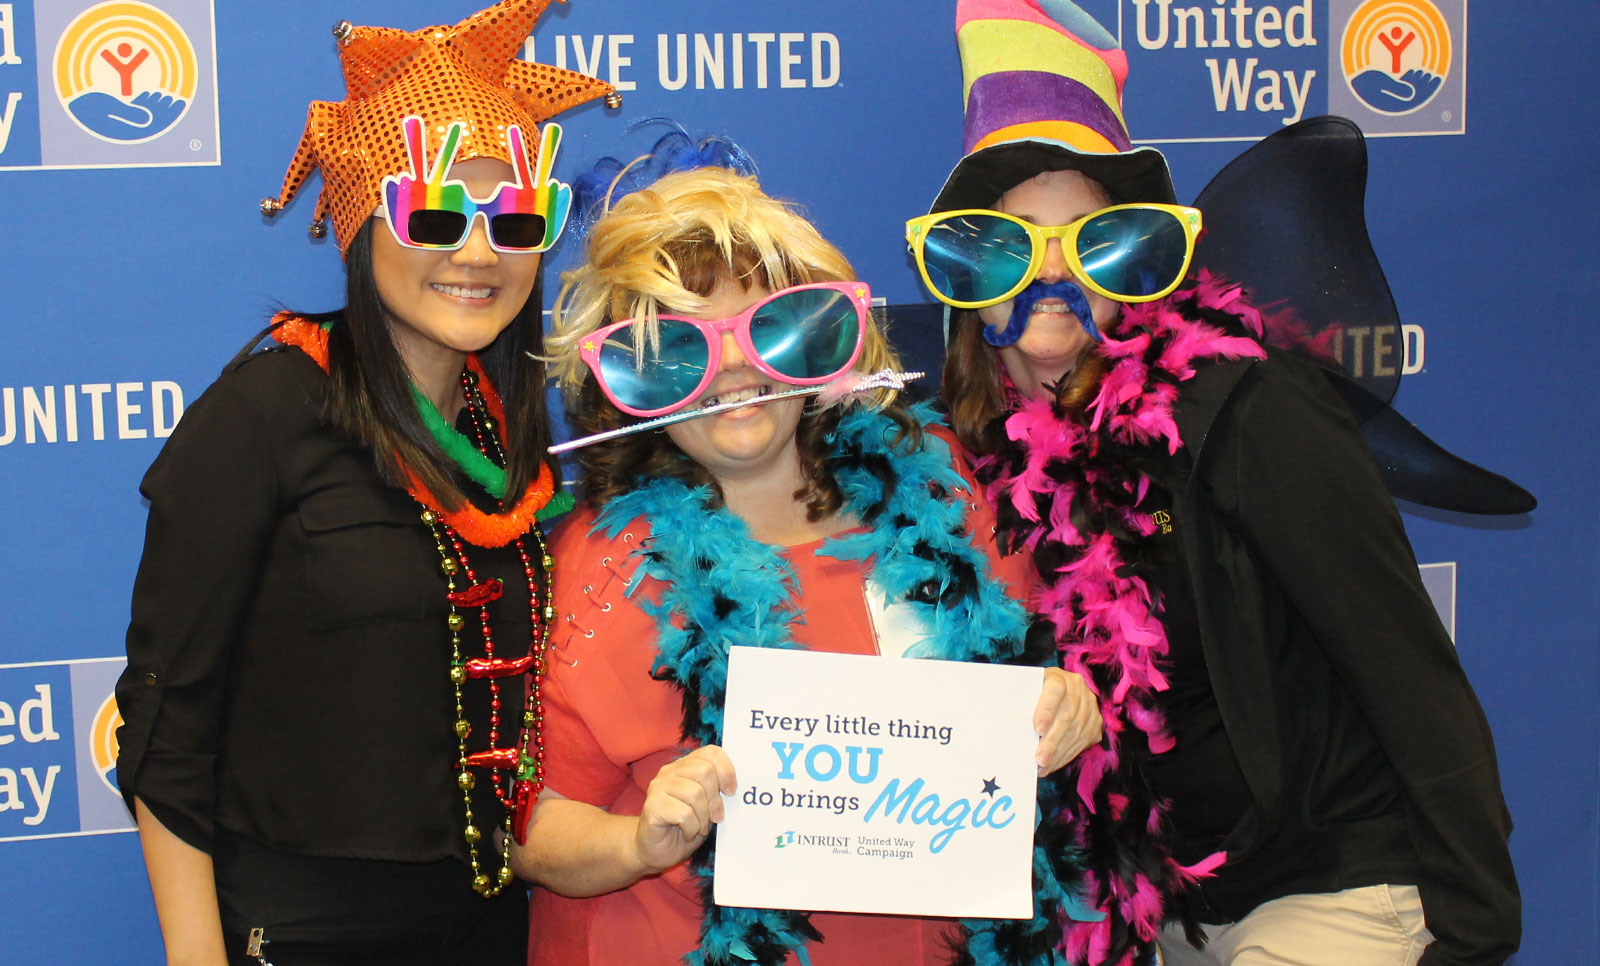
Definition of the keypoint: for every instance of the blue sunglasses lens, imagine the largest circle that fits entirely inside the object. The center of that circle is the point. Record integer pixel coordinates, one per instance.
(666, 378)
(976, 258)
(1133, 252)
(807, 334)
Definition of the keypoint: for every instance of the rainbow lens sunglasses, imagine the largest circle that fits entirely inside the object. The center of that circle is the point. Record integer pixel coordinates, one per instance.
(975, 258)
(804, 335)
(437, 214)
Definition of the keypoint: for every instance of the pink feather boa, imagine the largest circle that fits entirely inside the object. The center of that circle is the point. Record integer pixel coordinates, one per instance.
(1105, 626)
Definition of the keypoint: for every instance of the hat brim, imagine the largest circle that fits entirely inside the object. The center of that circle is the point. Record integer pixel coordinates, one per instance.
(984, 175)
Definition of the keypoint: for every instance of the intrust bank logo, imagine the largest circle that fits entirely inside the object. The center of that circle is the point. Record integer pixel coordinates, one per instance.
(58, 750)
(112, 84)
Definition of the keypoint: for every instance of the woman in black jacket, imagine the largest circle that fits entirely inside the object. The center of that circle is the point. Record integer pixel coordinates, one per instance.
(1294, 763)
(344, 586)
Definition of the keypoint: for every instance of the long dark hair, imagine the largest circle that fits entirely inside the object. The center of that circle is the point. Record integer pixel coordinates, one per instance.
(369, 390)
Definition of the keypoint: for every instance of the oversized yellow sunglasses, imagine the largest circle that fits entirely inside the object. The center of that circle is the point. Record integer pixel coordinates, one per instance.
(975, 257)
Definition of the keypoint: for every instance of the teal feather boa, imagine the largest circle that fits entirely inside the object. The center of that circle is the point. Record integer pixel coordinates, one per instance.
(723, 588)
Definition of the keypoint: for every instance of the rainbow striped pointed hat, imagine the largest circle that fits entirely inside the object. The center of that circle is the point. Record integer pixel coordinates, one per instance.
(1042, 83)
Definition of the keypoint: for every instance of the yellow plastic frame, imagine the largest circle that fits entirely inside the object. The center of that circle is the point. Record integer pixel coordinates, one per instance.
(917, 230)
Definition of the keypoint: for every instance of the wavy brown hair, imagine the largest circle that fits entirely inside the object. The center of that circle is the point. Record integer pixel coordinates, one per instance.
(664, 249)
(970, 382)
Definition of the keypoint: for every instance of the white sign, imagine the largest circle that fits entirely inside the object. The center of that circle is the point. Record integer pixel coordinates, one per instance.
(875, 784)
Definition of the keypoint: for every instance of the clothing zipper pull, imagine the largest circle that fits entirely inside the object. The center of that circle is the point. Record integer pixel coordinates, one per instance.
(253, 947)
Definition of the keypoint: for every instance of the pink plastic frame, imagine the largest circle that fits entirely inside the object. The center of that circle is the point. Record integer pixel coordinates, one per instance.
(860, 296)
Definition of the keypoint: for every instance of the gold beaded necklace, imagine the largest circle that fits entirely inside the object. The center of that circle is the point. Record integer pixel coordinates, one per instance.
(516, 770)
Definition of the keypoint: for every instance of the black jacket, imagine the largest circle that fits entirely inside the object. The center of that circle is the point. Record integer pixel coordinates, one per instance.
(1331, 669)
(288, 657)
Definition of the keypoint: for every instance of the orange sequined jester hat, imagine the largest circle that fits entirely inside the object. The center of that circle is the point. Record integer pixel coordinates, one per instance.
(466, 73)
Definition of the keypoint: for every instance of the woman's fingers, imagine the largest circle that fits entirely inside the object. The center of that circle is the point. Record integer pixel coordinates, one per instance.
(712, 770)
(681, 804)
(1051, 694)
(1067, 717)
(726, 780)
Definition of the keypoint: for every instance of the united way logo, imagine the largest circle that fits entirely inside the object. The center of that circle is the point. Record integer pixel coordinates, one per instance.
(1396, 54)
(107, 84)
(102, 742)
(1403, 63)
(58, 750)
(125, 71)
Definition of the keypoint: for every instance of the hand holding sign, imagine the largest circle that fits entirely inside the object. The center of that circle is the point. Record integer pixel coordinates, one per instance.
(1067, 717)
(680, 805)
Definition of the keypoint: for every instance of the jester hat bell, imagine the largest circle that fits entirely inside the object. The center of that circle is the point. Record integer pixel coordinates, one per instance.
(465, 75)
(1042, 86)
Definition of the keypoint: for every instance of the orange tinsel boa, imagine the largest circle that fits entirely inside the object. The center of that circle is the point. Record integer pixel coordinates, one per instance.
(477, 527)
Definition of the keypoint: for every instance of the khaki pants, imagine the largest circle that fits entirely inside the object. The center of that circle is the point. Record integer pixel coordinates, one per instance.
(1372, 926)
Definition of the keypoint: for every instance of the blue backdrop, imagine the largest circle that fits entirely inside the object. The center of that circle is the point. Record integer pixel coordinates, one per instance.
(135, 263)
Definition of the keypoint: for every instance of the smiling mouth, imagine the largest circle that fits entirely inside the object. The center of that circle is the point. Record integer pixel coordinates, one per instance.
(736, 396)
(1050, 308)
(463, 292)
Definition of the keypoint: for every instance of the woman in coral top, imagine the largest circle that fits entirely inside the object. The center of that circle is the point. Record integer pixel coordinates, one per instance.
(761, 524)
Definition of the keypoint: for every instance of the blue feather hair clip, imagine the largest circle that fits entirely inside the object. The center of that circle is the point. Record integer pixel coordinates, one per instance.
(609, 179)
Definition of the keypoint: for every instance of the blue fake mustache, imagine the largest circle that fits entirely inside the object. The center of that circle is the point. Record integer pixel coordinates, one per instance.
(1037, 291)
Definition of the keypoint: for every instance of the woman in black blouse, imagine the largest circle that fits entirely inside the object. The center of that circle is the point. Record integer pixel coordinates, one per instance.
(343, 585)
(1295, 767)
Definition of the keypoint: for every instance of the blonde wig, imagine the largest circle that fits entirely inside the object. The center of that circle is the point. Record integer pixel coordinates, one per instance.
(662, 250)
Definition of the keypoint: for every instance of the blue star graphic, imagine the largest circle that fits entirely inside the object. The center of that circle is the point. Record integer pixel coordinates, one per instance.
(989, 787)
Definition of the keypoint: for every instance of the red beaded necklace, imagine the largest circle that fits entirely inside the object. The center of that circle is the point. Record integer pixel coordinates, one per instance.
(516, 770)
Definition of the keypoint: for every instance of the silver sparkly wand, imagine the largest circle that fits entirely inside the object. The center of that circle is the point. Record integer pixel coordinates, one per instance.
(850, 384)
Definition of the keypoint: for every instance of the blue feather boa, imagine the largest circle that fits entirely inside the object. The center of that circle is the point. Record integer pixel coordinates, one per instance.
(724, 588)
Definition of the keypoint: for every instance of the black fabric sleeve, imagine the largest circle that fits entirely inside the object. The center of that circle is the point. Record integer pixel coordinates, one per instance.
(1311, 507)
(212, 497)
